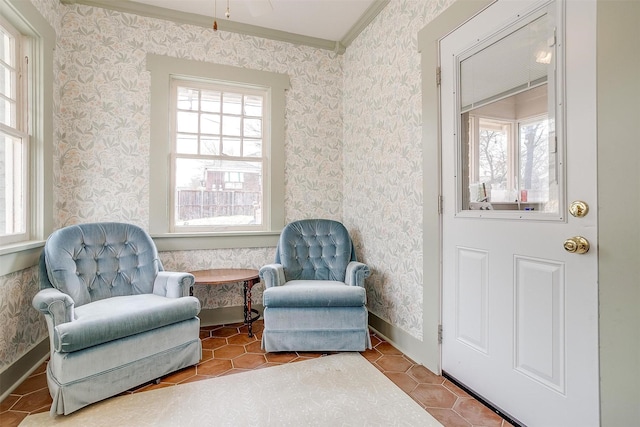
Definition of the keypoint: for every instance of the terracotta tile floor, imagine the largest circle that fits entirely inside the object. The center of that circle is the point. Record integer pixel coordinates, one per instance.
(227, 349)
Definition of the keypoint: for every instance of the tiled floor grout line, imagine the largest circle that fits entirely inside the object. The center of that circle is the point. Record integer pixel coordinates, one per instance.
(450, 405)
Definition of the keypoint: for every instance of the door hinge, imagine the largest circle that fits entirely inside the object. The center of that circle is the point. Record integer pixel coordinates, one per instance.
(440, 205)
(439, 334)
(438, 76)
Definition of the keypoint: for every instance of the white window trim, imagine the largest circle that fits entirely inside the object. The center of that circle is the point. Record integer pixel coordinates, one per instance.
(19, 130)
(162, 68)
(262, 160)
(26, 19)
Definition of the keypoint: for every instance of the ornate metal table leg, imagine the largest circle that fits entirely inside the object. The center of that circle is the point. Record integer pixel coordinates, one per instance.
(249, 312)
(247, 305)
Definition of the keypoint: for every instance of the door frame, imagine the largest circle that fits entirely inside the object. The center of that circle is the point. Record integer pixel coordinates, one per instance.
(428, 44)
(617, 64)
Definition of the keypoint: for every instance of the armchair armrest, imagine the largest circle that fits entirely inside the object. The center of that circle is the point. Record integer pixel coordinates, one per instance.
(56, 304)
(356, 273)
(272, 275)
(172, 284)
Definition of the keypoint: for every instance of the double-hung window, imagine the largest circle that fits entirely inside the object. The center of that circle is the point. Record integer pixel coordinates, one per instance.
(27, 43)
(14, 136)
(218, 156)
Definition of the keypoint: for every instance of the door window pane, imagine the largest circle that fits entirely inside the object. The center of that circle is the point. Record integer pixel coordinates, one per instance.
(508, 155)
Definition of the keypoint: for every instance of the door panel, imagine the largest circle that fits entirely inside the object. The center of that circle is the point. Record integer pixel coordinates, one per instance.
(472, 285)
(539, 312)
(519, 312)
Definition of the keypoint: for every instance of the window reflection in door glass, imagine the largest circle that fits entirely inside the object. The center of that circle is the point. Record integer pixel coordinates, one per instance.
(509, 149)
(508, 158)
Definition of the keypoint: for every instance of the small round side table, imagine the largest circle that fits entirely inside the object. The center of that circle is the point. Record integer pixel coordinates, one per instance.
(221, 276)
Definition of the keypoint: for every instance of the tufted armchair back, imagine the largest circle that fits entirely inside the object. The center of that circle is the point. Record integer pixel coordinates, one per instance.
(90, 262)
(315, 249)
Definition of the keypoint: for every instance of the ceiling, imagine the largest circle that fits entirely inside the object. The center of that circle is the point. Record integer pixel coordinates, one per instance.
(331, 20)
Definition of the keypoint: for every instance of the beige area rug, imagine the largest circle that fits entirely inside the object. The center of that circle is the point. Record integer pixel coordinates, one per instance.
(339, 390)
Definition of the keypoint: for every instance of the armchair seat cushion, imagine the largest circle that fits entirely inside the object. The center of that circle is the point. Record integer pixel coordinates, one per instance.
(117, 317)
(314, 293)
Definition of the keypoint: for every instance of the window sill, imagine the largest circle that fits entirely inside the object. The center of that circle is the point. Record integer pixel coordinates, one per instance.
(19, 256)
(199, 241)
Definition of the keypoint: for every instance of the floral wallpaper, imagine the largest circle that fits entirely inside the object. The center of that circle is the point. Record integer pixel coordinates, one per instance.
(383, 158)
(101, 167)
(102, 137)
(22, 326)
(352, 147)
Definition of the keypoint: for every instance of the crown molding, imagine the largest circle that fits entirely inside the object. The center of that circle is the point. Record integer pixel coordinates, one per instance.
(364, 21)
(338, 47)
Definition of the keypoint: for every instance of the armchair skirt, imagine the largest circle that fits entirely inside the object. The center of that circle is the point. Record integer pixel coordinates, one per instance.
(315, 298)
(115, 318)
(315, 329)
(123, 364)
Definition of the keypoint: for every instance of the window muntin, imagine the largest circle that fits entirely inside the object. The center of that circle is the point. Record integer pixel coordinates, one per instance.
(14, 138)
(218, 156)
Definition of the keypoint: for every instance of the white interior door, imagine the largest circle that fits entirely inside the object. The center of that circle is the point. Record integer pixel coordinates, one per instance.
(520, 318)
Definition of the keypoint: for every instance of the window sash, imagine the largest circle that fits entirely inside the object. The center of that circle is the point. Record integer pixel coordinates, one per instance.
(14, 137)
(14, 177)
(216, 144)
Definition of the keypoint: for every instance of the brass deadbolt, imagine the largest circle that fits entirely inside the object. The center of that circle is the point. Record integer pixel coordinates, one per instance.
(578, 209)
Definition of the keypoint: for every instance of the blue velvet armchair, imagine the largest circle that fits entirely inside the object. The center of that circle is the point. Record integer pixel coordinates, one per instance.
(315, 298)
(115, 318)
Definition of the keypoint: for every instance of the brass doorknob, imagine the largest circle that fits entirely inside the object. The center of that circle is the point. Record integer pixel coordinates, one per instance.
(578, 208)
(576, 245)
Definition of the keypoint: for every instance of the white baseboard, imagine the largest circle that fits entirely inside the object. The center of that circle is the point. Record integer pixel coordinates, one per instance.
(407, 344)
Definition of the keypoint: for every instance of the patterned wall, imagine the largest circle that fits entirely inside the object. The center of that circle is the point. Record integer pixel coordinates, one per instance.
(352, 147)
(21, 326)
(383, 158)
(102, 137)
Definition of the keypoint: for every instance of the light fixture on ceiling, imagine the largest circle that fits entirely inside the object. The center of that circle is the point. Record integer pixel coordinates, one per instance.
(215, 14)
(256, 8)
